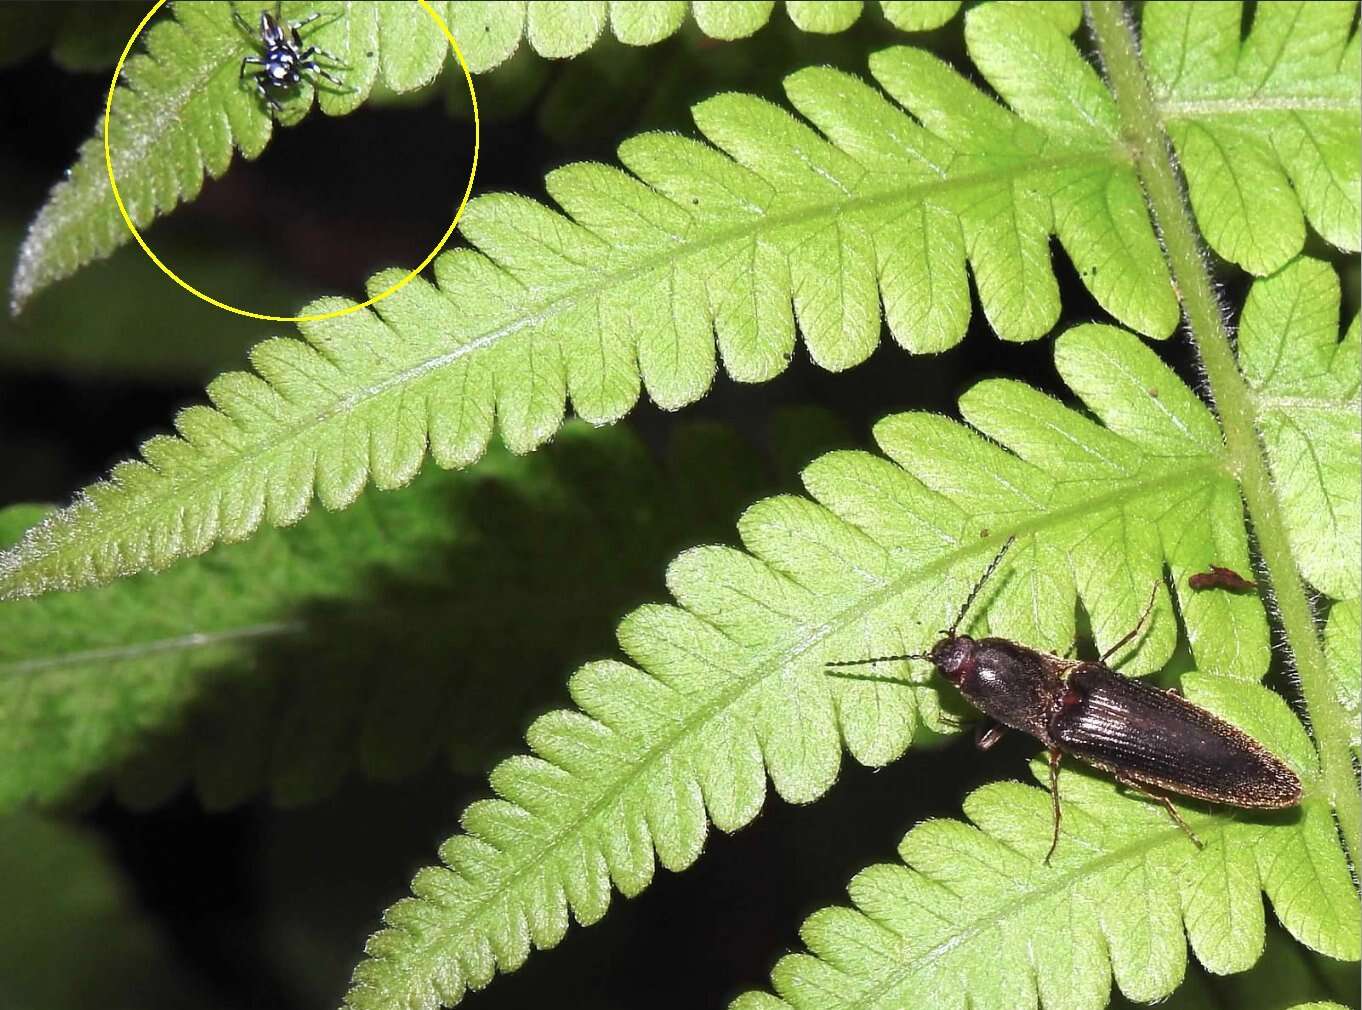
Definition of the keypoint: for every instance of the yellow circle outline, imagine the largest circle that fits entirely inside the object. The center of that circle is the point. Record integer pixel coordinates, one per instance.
(317, 316)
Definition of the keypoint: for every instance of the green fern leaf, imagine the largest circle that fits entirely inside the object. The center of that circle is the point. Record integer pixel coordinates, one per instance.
(179, 118)
(254, 669)
(184, 112)
(920, 16)
(636, 286)
(974, 917)
(66, 893)
(1285, 974)
(1343, 647)
(1265, 126)
(735, 692)
(826, 18)
(185, 109)
(1305, 383)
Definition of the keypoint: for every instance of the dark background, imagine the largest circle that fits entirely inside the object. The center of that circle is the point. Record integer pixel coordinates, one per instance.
(270, 907)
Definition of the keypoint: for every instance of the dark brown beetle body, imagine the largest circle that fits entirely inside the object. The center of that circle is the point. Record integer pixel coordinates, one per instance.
(1138, 732)
(1145, 737)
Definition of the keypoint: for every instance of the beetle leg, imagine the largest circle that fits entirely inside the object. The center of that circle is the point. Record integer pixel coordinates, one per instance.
(1167, 805)
(988, 735)
(1055, 757)
(1153, 595)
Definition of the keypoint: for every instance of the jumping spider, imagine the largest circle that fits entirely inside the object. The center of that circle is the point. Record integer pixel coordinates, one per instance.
(285, 59)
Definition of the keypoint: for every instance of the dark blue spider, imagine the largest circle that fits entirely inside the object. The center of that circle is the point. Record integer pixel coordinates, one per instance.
(285, 59)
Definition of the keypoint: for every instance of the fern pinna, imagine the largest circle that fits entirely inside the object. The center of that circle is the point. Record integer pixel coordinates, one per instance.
(869, 205)
(730, 688)
(649, 273)
(700, 246)
(182, 92)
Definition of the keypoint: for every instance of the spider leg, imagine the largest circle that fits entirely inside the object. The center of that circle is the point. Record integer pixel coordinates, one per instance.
(312, 65)
(318, 50)
(241, 23)
(295, 25)
(245, 60)
(265, 93)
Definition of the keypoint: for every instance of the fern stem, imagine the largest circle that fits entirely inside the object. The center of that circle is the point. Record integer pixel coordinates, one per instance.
(1143, 132)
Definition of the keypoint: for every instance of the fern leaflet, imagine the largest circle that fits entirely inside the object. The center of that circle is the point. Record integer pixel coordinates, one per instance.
(187, 676)
(1265, 127)
(973, 916)
(1284, 975)
(734, 689)
(636, 286)
(183, 108)
(1305, 385)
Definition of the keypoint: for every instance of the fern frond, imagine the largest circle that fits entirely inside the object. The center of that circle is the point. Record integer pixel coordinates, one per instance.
(179, 116)
(68, 893)
(558, 30)
(973, 916)
(256, 669)
(1305, 386)
(700, 246)
(1265, 125)
(184, 110)
(730, 685)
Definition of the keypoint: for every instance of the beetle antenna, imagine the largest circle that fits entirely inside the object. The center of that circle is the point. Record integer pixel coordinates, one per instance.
(874, 659)
(870, 677)
(992, 567)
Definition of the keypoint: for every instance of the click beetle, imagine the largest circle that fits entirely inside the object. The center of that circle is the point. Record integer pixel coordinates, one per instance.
(1146, 738)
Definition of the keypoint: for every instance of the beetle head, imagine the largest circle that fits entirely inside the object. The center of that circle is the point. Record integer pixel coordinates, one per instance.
(954, 656)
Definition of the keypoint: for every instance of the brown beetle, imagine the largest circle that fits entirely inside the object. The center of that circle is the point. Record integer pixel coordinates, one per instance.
(1145, 737)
